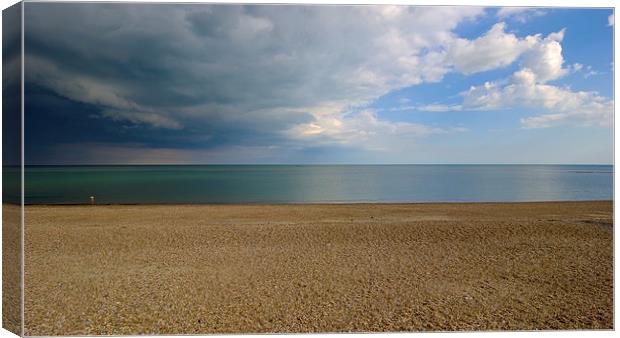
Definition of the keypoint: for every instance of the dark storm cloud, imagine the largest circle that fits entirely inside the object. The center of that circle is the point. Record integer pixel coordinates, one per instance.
(11, 89)
(207, 76)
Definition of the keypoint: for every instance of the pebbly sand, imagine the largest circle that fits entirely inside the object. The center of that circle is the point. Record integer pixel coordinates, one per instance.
(11, 268)
(318, 268)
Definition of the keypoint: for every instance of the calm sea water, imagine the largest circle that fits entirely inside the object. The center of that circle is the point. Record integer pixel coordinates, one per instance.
(312, 184)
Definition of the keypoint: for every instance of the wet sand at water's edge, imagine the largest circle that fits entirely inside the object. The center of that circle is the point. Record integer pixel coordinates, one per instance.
(318, 268)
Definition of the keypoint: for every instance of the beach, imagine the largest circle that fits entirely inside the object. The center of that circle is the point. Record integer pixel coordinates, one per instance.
(172, 269)
(11, 267)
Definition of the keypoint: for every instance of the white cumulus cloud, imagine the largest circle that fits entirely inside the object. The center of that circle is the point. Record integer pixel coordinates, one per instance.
(524, 90)
(494, 49)
(497, 48)
(541, 61)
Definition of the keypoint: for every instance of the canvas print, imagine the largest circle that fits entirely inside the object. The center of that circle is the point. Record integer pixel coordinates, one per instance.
(175, 168)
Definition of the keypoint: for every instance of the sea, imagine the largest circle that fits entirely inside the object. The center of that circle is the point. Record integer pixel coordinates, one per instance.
(171, 184)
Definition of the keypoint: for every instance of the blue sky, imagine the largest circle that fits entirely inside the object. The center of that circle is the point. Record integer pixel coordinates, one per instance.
(157, 83)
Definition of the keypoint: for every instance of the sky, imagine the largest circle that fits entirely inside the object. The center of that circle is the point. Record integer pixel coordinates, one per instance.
(312, 84)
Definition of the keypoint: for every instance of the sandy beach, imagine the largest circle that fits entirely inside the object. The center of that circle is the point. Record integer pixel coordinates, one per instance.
(318, 268)
(11, 268)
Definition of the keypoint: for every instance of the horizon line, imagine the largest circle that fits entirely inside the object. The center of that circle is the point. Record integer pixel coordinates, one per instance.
(296, 164)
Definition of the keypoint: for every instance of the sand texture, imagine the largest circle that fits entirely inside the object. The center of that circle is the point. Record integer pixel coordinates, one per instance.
(11, 268)
(318, 268)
